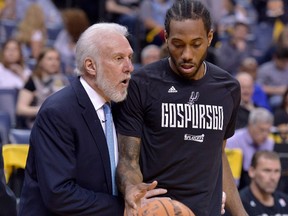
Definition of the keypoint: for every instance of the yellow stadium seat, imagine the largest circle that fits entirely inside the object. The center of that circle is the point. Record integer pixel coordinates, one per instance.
(235, 158)
(14, 157)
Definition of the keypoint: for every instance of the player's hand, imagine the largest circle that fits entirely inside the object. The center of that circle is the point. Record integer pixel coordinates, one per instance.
(138, 195)
(223, 203)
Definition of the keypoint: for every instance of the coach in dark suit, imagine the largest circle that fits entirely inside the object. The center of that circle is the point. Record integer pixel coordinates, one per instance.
(68, 168)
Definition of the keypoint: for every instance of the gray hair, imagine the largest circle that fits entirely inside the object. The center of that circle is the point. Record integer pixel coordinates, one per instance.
(146, 49)
(89, 43)
(260, 115)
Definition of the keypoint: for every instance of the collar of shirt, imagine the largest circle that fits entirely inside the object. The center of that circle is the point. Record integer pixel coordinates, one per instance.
(97, 100)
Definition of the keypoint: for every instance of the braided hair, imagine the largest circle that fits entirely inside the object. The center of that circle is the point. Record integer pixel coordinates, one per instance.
(188, 9)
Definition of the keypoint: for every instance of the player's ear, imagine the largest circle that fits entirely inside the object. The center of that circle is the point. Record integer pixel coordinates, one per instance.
(90, 66)
(166, 36)
(210, 37)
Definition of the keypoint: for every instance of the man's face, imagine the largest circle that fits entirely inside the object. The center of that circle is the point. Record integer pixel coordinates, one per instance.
(247, 88)
(260, 131)
(187, 44)
(266, 175)
(114, 68)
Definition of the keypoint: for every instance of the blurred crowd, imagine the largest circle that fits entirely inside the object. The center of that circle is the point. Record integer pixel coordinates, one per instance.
(37, 41)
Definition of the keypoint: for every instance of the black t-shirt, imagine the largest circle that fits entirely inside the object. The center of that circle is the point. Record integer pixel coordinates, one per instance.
(255, 208)
(182, 124)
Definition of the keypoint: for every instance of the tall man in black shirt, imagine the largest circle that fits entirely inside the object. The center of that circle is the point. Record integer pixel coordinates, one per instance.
(175, 121)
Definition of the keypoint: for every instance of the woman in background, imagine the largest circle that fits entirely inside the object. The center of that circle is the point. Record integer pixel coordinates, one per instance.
(32, 33)
(45, 80)
(13, 71)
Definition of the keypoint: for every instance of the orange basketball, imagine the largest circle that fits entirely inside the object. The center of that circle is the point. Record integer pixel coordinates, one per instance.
(164, 207)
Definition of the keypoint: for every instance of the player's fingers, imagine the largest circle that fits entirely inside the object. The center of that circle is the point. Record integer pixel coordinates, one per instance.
(223, 197)
(155, 192)
(223, 203)
(152, 185)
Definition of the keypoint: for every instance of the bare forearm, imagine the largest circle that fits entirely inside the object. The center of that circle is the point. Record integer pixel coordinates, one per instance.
(128, 169)
(233, 204)
(127, 175)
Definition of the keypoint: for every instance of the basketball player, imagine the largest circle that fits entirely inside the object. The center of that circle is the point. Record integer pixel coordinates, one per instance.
(176, 119)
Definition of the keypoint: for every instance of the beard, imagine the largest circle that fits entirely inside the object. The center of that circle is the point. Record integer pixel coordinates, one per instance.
(107, 87)
(177, 68)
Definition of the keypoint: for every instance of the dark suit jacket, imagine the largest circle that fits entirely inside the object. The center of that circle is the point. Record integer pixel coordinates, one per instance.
(68, 167)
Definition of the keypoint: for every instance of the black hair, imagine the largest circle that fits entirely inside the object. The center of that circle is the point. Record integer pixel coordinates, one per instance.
(281, 52)
(188, 9)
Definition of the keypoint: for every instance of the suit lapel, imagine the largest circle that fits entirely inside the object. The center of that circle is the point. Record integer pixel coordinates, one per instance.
(93, 123)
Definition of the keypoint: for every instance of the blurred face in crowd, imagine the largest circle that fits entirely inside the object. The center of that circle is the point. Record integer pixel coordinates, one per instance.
(240, 32)
(259, 131)
(247, 87)
(283, 132)
(152, 55)
(250, 66)
(11, 52)
(50, 63)
(187, 44)
(265, 176)
(282, 63)
(113, 68)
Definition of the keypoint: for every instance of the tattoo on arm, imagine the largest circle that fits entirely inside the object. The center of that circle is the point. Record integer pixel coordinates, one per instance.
(128, 169)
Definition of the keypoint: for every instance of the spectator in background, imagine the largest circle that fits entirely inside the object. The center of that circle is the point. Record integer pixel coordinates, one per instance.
(8, 12)
(281, 121)
(231, 14)
(246, 103)
(235, 49)
(281, 41)
(32, 33)
(149, 54)
(95, 10)
(259, 97)
(152, 14)
(216, 9)
(126, 13)
(13, 71)
(45, 80)
(75, 22)
(52, 16)
(261, 196)
(252, 138)
(273, 76)
(271, 19)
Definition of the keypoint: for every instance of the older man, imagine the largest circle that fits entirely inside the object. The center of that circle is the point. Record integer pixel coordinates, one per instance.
(252, 138)
(70, 167)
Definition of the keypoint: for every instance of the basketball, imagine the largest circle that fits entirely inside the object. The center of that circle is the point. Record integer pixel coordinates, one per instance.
(165, 207)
